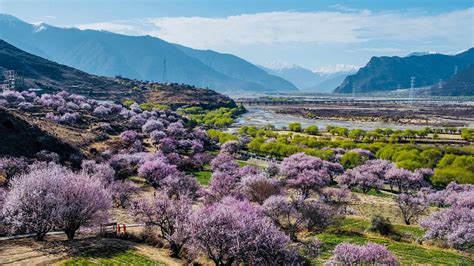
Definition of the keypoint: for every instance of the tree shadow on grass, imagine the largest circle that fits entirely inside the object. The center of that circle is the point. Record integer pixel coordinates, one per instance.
(89, 247)
(57, 248)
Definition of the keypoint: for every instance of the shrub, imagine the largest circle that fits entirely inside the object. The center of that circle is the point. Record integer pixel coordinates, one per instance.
(381, 225)
(295, 127)
(311, 130)
(352, 159)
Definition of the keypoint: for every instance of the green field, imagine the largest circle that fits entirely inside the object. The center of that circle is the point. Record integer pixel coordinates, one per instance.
(203, 177)
(354, 230)
(120, 258)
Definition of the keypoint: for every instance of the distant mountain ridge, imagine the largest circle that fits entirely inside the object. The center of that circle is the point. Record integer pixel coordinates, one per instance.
(390, 73)
(139, 57)
(238, 68)
(307, 80)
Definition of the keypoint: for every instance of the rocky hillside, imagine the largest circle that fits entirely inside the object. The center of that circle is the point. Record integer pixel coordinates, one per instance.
(49, 76)
(461, 84)
(389, 73)
(24, 135)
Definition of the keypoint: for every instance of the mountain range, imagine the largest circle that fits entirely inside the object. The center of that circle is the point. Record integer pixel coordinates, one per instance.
(391, 73)
(307, 80)
(145, 58)
(139, 57)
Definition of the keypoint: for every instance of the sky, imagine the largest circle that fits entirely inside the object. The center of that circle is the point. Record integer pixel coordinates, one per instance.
(321, 35)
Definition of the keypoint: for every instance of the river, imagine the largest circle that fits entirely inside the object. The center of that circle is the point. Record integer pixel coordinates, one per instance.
(257, 116)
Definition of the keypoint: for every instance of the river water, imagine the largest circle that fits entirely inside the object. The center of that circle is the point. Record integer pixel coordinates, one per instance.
(257, 116)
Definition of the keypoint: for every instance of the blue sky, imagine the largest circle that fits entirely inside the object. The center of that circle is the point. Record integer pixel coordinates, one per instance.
(316, 34)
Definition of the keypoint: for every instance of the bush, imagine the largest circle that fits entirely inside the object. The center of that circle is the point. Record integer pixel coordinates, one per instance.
(311, 130)
(443, 176)
(295, 127)
(352, 159)
(149, 106)
(381, 225)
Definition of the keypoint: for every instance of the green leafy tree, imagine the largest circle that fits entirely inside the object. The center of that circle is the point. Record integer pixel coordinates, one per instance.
(352, 159)
(295, 127)
(311, 130)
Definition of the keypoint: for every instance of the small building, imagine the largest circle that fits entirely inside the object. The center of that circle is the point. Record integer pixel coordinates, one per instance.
(13, 81)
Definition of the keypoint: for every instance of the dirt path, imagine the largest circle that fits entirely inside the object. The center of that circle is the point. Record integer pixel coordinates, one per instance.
(157, 254)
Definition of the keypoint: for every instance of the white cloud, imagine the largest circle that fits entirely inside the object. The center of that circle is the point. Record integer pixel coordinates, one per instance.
(383, 50)
(343, 26)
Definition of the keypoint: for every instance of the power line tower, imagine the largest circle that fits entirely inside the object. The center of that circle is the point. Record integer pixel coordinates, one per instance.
(165, 72)
(440, 84)
(412, 89)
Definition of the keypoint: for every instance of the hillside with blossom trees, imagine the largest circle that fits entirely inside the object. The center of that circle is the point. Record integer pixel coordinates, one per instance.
(195, 196)
(49, 77)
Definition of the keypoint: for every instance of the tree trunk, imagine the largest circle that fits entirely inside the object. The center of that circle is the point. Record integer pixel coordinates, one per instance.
(70, 234)
(40, 236)
(175, 250)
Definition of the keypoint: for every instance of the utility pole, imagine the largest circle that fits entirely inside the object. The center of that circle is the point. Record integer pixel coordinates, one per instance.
(165, 74)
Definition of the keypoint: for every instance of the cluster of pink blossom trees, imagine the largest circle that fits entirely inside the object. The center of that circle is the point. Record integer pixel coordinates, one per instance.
(373, 174)
(52, 197)
(455, 224)
(369, 254)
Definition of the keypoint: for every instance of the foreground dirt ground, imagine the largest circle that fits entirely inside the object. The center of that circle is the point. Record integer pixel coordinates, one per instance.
(56, 249)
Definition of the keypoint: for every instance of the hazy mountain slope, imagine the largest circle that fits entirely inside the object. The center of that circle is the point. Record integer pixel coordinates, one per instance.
(330, 82)
(389, 73)
(307, 80)
(303, 78)
(110, 54)
(239, 68)
(461, 84)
